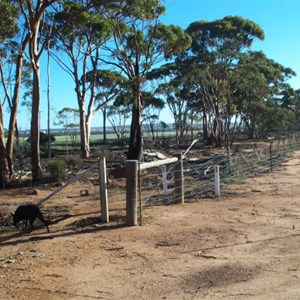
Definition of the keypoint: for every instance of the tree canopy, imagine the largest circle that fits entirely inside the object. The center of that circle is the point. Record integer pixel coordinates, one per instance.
(124, 60)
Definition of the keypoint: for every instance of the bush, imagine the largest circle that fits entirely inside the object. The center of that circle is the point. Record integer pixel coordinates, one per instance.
(73, 162)
(44, 139)
(57, 169)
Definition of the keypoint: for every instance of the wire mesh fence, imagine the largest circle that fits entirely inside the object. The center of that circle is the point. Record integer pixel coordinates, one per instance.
(200, 176)
(116, 190)
(254, 159)
(157, 185)
(245, 159)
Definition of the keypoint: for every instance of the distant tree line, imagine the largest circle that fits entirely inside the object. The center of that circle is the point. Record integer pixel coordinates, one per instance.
(111, 49)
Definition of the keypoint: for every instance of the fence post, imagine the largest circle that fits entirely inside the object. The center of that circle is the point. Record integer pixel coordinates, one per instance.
(131, 192)
(140, 195)
(217, 180)
(103, 190)
(271, 155)
(2, 176)
(164, 180)
(179, 187)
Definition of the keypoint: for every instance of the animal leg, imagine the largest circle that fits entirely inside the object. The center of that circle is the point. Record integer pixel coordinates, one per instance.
(41, 218)
(31, 221)
(26, 222)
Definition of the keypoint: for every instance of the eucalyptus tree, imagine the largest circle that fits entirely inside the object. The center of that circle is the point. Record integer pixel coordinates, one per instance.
(152, 108)
(140, 42)
(178, 97)
(109, 84)
(32, 14)
(80, 43)
(35, 18)
(69, 119)
(118, 114)
(30, 44)
(8, 29)
(173, 84)
(263, 100)
(297, 110)
(215, 51)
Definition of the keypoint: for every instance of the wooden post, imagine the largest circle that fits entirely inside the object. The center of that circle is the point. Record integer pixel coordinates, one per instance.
(103, 190)
(131, 192)
(140, 195)
(271, 155)
(179, 188)
(217, 180)
(164, 180)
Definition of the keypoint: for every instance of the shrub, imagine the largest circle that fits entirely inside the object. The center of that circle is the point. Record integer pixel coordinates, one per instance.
(73, 162)
(57, 169)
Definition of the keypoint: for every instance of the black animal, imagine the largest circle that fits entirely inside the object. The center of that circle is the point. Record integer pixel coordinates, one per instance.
(28, 212)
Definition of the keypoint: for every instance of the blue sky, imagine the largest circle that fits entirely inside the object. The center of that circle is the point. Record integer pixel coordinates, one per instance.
(278, 18)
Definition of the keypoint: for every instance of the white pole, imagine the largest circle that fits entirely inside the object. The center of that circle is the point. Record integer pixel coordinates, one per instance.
(217, 180)
(164, 180)
(188, 149)
(79, 175)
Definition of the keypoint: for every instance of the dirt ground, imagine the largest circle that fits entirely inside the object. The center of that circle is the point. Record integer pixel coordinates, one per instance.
(244, 245)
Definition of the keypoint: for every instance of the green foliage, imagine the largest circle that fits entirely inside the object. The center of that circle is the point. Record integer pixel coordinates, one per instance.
(150, 100)
(273, 120)
(230, 34)
(68, 118)
(8, 19)
(84, 23)
(170, 40)
(44, 139)
(103, 151)
(143, 9)
(73, 162)
(262, 96)
(106, 78)
(57, 169)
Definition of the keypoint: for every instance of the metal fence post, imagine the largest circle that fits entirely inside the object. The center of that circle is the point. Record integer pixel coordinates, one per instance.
(179, 185)
(103, 190)
(131, 192)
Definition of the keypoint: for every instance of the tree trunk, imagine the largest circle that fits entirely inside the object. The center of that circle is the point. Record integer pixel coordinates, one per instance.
(104, 124)
(35, 130)
(192, 128)
(84, 147)
(135, 150)
(14, 111)
(3, 162)
(88, 120)
(217, 124)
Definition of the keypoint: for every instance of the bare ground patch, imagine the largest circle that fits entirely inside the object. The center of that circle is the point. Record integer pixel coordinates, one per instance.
(244, 245)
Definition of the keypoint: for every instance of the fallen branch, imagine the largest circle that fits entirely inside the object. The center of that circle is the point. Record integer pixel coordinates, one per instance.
(166, 244)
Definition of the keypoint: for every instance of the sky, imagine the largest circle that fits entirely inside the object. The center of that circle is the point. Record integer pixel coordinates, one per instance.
(279, 20)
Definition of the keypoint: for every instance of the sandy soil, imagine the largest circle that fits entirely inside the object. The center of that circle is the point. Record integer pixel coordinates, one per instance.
(243, 246)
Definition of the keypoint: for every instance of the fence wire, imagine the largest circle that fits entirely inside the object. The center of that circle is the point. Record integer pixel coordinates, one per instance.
(157, 185)
(245, 160)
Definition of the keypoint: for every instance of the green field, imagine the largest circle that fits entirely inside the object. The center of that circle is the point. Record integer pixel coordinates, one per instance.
(98, 138)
